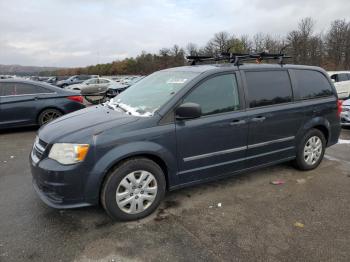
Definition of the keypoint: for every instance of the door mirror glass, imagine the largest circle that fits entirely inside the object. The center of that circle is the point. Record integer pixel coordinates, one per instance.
(188, 111)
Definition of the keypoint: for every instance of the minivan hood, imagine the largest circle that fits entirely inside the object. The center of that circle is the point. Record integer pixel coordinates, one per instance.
(88, 121)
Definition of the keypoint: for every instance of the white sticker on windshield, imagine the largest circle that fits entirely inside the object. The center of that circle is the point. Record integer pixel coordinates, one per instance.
(176, 80)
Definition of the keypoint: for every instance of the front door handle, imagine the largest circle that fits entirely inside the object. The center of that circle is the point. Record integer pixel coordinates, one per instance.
(258, 119)
(237, 122)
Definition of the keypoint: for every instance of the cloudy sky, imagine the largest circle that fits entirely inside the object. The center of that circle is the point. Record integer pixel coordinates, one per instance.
(85, 32)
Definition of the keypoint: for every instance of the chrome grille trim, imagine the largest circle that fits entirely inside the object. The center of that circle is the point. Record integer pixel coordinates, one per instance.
(38, 149)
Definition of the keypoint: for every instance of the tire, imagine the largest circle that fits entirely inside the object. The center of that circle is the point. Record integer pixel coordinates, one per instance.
(133, 202)
(64, 85)
(48, 115)
(310, 152)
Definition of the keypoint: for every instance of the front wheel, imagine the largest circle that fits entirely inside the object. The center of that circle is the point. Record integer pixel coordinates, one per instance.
(310, 150)
(133, 190)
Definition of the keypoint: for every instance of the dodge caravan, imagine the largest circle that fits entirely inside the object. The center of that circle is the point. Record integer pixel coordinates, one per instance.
(183, 126)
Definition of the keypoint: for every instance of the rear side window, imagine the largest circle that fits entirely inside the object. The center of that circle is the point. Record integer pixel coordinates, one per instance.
(268, 88)
(312, 84)
(342, 77)
(103, 81)
(216, 95)
(10, 89)
(92, 81)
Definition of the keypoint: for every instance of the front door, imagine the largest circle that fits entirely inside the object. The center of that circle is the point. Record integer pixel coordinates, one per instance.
(214, 144)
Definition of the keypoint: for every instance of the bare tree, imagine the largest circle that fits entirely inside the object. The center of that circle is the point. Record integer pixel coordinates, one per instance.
(338, 44)
(192, 49)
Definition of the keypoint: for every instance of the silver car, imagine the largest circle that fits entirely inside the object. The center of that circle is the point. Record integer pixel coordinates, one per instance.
(345, 114)
(93, 83)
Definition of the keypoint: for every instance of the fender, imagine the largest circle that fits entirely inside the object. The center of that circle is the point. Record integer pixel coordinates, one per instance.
(116, 154)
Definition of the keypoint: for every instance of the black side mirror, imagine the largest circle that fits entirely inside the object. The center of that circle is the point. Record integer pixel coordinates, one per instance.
(188, 111)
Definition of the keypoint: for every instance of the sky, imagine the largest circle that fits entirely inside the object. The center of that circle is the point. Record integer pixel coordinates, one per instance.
(70, 33)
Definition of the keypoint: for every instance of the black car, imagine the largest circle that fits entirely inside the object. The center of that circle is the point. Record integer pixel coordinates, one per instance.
(183, 126)
(24, 103)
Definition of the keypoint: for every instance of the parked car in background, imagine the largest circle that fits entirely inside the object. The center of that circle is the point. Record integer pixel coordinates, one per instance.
(97, 90)
(341, 81)
(345, 114)
(77, 79)
(51, 80)
(25, 102)
(183, 126)
(116, 89)
(6, 76)
(95, 85)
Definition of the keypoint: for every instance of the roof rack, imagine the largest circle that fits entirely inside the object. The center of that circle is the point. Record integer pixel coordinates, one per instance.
(237, 58)
(199, 58)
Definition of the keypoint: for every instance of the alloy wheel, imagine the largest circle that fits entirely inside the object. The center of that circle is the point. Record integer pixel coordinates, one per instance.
(313, 150)
(49, 116)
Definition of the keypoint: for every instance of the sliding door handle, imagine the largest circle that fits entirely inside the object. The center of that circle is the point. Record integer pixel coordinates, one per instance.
(237, 122)
(258, 119)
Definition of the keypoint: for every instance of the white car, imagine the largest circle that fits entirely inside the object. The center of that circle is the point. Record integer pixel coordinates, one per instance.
(98, 86)
(87, 83)
(345, 114)
(341, 81)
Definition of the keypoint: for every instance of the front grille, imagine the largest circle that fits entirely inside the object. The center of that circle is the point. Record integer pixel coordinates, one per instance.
(42, 143)
(39, 149)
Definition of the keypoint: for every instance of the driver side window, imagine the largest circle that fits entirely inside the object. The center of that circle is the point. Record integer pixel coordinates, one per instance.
(216, 95)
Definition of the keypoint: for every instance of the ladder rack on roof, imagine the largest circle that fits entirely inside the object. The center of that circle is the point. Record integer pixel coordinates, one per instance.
(237, 58)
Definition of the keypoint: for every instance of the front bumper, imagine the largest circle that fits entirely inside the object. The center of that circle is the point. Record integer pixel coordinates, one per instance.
(58, 186)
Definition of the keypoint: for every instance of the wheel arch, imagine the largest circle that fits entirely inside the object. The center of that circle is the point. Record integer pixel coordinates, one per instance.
(319, 123)
(116, 156)
(46, 108)
(155, 158)
(324, 130)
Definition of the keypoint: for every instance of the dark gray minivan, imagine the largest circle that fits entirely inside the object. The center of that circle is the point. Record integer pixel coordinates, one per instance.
(183, 126)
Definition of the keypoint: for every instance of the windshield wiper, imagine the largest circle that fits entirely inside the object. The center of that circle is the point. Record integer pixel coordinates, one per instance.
(110, 107)
(121, 107)
(114, 106)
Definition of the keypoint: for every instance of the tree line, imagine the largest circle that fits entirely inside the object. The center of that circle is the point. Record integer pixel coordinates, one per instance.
(330, 50)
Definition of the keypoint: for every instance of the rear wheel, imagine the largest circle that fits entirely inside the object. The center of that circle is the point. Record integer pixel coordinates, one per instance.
(133, 190)
(310, 150)
(48, 115)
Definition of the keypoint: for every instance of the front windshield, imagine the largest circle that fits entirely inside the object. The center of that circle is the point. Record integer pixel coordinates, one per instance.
(149, 94)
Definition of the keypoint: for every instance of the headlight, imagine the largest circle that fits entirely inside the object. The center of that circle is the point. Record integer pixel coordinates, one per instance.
(67, 154)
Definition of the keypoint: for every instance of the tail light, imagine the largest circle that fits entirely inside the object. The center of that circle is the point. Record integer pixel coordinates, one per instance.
(78, 99)
(340, 107)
